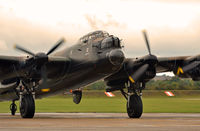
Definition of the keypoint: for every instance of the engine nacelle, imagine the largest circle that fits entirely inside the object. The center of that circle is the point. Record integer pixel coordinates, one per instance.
(190, 68)
(149, 74)
(115, 85)
(193, 73)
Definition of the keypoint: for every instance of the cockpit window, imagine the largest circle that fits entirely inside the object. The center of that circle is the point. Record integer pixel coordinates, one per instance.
(94, 35)
(107, 43)
(105, 34)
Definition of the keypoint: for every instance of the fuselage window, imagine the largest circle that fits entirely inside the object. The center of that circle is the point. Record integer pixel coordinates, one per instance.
(84, 39)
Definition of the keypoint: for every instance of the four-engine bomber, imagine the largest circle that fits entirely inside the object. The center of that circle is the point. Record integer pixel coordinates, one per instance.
(97, 55)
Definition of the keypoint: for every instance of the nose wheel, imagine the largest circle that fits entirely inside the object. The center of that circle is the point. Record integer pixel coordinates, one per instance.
(13, 108)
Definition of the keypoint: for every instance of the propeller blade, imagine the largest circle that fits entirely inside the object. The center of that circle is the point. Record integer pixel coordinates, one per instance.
(139, 73)
(59, 43)
(24, 50)
(146, 41)
(190, 66)
(44, 77)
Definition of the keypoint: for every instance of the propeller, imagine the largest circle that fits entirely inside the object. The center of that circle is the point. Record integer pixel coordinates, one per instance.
(59, 43)
(149, 61)
(44, 77)
(24, 50)
(146, 41)
(40, 59)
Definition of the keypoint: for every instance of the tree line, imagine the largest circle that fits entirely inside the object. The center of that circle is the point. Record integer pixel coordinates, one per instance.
(175, 83)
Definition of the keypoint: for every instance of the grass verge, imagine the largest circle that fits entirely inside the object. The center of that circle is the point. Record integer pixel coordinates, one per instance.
(98, 102)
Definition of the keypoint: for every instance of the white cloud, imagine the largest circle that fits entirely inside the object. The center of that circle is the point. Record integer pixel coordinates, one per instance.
(173, 27)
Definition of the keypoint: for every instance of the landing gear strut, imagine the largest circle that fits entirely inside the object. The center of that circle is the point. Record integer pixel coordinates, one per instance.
(13, 108)
(134, 102)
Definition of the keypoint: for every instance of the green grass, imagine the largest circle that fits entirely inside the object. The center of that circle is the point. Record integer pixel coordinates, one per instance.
(172, 105)
(98, 102)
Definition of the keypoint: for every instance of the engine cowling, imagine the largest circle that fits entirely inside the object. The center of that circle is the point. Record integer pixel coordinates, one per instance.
(114, 85)
(194, 74)
(131, 67)
(149, 74)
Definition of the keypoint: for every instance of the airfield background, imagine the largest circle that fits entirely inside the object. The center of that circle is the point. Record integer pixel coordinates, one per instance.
(159, 83)
(186, 99)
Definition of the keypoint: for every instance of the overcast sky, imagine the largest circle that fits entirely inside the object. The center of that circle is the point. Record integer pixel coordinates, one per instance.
(173, 26)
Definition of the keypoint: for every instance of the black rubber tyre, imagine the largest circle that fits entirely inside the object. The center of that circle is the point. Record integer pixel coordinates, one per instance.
(77, 95)
(27, 106)
(134, 106)
(13, 108)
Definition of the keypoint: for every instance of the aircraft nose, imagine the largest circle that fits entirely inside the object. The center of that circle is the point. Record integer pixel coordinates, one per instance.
(116, 57)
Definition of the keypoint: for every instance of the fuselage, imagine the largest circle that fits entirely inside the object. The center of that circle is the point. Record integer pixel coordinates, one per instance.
(89, 62)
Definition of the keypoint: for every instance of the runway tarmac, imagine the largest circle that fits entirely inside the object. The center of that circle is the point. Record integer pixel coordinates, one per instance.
(102, 121)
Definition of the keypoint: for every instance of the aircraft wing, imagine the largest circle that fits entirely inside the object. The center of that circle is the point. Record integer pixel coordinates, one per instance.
(9, 65)
(57, 66)
(166, 64)
(145, 68)
(12, 68)
(10, 59)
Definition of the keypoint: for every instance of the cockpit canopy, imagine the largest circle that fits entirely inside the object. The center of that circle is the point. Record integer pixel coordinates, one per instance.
(94, 35)
(110, 42)
(106, 40)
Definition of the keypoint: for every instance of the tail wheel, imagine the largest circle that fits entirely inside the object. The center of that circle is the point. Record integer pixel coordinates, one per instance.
(77, 95)
(13, 108)
(27, 106)
(134, 106)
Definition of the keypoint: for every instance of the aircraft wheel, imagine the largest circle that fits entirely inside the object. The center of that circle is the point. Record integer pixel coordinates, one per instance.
(13, 108)
(27, 106)
(77, 95)
(134, 106)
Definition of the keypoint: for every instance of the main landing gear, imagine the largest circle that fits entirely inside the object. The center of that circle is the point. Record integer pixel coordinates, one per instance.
(26, 101)
(134, 102)
(27, 106)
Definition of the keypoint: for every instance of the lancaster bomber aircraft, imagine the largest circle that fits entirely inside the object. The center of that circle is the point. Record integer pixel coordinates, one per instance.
(97, 55)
